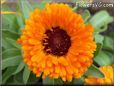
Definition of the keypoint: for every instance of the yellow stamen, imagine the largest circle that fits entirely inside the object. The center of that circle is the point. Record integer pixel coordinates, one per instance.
(48, 50)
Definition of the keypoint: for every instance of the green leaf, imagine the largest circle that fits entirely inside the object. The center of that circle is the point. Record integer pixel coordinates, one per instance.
(26, 8)
(9, 34)
(5, 43)
(98, 49)
(10, 80)
(101, 29)
(94, 71)
(111, 55)
(78, 81)
(13, 43)
(13, 61)
(99, 41)
(108, 43)
(26, 74)
(49, 81)
(20, 21)
(100, 20)
(17, 78)
(33, 79)
(74, 8)
(19, 68)
(99, 38)
(111, 35)
(58, 82)
(8, 73)
(103, 59)
(42, 4)
(9, 21)
(13, 52)
(86, 15)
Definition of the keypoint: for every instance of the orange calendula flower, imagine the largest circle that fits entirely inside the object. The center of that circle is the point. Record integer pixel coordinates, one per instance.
(108, 72)
(57, 43)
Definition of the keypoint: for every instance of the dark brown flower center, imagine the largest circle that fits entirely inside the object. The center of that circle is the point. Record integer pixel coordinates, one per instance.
(57, 42)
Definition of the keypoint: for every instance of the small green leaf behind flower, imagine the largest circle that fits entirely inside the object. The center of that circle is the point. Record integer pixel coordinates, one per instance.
(19, 68)
(9, 53)
(108, 43)
(103, 59)
(13, 61)
(99, 38)
(49, 81)
(94, 71)
(26, 74)
(18, 77)
(41, 4)
(86, 15)
(26, 8)
(21, 23)
(100, 21)
(79, 81)
(99, 41)
(6, 44)
(13, 43)
(8, 73)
